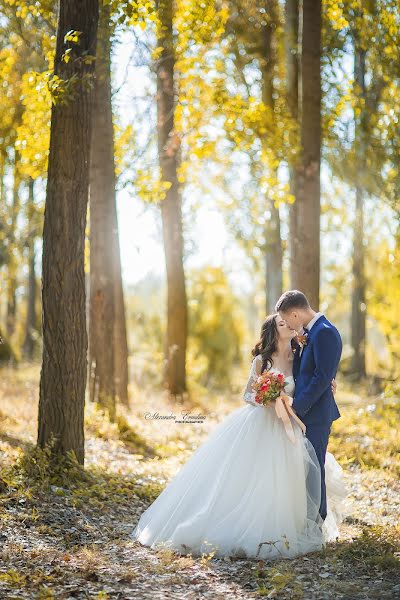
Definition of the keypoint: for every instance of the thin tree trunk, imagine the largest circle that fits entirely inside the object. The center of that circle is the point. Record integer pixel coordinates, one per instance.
(31, 321)
(3, 210)
(2, 173)
(274, 249)
(64, 367)
(171, 211)
(7, 355)
(12, 258)
(292, 83)
(306, 265)
(121, 352)
(102, 201)
(273, 258)
(358, 312)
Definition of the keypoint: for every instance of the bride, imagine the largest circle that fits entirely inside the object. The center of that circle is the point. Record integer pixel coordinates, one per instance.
(252, 489)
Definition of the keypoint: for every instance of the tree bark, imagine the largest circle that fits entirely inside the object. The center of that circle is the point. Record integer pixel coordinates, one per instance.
(121, 351)
(31, 320)
(171, 210)
(358, 311)
(64, 365)
(12, 266)
(274, 249)
(7, 355)
(102, 203)
(292, 93)
(3, 227)
(306, 264)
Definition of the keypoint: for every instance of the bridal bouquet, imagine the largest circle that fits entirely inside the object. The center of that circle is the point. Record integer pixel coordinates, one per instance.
(268, 387)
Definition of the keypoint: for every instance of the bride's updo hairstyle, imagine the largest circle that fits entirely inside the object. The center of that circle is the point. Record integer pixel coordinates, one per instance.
(268, 342)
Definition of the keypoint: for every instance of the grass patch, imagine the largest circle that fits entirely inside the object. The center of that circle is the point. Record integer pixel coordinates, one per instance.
(98, 424)
(376, 547)
(369, 436)
(133, 440)
(272, 580)
(38, 470)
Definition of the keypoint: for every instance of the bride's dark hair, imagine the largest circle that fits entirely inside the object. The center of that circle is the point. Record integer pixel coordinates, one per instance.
(268, 342)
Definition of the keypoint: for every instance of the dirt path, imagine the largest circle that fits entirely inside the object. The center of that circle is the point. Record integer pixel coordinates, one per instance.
(71, 539)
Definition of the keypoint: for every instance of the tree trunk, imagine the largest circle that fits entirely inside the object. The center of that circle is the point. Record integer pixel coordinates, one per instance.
(121, 352)
(171, 211)
(274, 249)
(63, 374)
(31, 321)
(7, 355)
(3, 211)
(306, 265)
(273, 257)
(358, 312)
(102, 201)
(292, 92)
(12, 257)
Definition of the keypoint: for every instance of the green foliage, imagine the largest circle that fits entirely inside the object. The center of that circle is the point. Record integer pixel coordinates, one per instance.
(13, 578)
(372, 28)
(28, 43)
(40, 471)
(99, 424)
(272, 580)
(132, 439)
(33, 133)
(215, 325)
(377, 547)
(369, 436)
(146, 324)
(384, 296)
(134, 13)
(64, 91)
(42, 467)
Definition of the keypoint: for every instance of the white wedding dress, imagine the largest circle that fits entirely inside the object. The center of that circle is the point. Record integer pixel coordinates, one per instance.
(247, 491)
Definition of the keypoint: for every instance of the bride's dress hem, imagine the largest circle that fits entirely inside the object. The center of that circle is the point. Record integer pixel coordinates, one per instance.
(246, 492)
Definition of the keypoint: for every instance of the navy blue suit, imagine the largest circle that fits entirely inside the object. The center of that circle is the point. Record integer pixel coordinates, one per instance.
(313, 401)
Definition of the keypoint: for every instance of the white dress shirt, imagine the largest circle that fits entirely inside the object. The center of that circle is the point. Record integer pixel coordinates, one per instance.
(309, 325)
(313, 320)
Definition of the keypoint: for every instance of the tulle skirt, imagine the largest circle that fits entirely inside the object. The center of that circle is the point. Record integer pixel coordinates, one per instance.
(247, 491)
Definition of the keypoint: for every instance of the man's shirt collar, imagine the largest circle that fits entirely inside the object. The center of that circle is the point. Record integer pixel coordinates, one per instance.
(313, 320)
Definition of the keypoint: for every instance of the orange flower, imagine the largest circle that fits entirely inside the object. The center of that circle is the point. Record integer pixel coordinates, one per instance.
(301, 339)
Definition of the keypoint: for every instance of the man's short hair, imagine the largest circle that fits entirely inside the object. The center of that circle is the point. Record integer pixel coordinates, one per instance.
(290, 300)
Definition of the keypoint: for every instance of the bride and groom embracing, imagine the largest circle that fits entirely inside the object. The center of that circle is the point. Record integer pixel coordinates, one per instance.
(263, 485)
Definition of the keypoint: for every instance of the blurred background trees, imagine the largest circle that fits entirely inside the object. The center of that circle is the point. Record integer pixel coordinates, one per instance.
(276, 123)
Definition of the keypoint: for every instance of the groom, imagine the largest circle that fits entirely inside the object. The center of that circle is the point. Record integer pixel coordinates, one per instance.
(315, 365)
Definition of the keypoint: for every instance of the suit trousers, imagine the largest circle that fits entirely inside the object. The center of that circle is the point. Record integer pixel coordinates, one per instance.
(319, 437)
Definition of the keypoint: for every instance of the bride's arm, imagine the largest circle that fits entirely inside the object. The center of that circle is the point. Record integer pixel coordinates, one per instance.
(249, 394)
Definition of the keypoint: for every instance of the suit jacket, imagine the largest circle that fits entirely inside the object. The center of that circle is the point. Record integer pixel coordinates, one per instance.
(313, 372)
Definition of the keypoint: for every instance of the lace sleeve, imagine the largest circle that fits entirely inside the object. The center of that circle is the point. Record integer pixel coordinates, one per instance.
(255, 371)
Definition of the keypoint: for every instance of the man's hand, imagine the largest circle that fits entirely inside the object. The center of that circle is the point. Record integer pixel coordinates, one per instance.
(334, 386)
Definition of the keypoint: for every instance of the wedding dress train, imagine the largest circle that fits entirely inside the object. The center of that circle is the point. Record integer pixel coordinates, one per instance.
(247, 491)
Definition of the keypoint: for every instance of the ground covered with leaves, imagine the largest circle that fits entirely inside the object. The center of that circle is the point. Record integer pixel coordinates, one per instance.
(65, 532)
